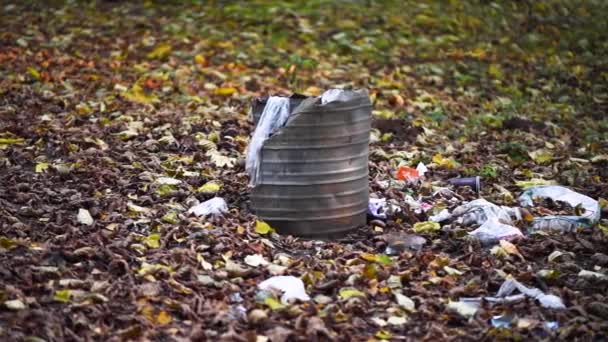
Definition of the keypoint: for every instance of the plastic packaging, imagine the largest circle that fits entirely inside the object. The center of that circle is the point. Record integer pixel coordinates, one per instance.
(273, 117)
(546, 300)
(214, 206)
(473, 182)
(292, 287)
(565, 222)
(480, 210)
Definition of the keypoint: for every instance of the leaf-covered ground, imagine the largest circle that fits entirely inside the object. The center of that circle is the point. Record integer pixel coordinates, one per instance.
(134, 111)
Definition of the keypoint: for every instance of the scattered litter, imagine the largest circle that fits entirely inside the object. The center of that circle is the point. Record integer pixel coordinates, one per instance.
(443, 215)
(396, 320)
(422, 169)
(562, 223)
(408, 174)
(493, 231)
(494, 220)
(418, 206)
(292, 287)
(473, 182)
(480, 210)
(335, 95)
(502, 321)
(214, 206)
(551, 325)
(84, 217)
(401, 242)
(464, 308)
(377, 208)
(235, 297)
(274, 116)
(381, 209)
(510, 285)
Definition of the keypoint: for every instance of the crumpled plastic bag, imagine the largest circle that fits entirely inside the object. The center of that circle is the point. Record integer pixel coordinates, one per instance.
(480, 210)
(215, 206)
(564, 222)
(292, 288)
(381, 209)
(494, 220)
(274, 116)
(546, 300)
(493, 230)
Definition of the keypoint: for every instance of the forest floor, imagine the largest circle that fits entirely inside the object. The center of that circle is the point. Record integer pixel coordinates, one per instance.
(132, 112)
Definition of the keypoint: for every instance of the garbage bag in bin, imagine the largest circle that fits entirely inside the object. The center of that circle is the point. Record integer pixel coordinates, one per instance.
(311, 178)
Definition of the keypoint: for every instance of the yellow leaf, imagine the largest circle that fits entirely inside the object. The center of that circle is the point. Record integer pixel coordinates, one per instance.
(495, 71)
(33, 72)
(7, 243)
(426, 227)
(273, 303)
(148, 312)
(442, 161)
(263, 228)
(62, 296)
(225, 91)
(11, 141)
(139, 95)
(161, 51)
(541, 156)
(384, 335)
(346, 293)
(163, 318)
(152, 240)
(210, 187)
(200, 59)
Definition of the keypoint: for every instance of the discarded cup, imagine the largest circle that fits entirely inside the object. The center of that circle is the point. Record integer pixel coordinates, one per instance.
(473, 182)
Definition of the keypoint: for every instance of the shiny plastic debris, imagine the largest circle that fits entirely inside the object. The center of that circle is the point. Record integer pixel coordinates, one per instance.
(510, 285)
(494, 220)
(562, 223)
(292, 287)
(493, 231)
(381, 208)
(335, 95)
(274, 116)
(473, 182)
(215, 206)
(502, 321)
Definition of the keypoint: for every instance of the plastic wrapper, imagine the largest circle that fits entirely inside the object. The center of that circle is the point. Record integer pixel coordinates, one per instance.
(274, 116)
(215, 206)
(562, 222)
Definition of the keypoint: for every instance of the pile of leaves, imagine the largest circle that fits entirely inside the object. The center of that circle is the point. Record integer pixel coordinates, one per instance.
(116, 117)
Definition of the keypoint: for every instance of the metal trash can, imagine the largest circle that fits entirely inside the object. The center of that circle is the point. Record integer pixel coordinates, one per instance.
(314, 170)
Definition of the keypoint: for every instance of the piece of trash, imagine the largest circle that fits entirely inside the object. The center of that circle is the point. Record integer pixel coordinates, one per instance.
(400, 242)
(480, 210)
(396, 320)
(473, 182)
(426, 227)
(418, 206)
(493, 231)
(215, 206)
(466, 309)
(562, 223)
(551, 325)
(84, 217)
(422, 169)
(292, 287)
(335, 95)
(408, 174)
(274, 116)
(235, 297)
(377, 207)
(380, 208)
(442, 216)
(546, 300)
(502, 321)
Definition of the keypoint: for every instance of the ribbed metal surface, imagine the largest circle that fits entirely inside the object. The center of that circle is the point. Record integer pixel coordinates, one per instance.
(314, 170)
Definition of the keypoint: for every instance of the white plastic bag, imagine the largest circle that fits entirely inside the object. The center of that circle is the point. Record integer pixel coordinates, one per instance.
(563, 194)
(215, 206)
(274, 116)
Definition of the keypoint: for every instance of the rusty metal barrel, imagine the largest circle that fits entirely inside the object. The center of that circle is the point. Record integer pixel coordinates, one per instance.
(314, 170)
